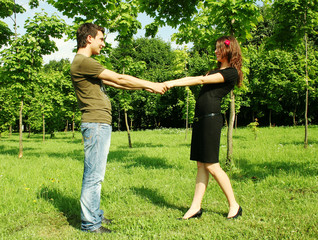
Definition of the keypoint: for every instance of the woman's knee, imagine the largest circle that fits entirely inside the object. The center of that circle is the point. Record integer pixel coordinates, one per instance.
(213, 168)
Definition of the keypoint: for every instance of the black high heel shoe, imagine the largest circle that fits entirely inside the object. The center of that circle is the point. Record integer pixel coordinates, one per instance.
(198, 214)
(239, 213)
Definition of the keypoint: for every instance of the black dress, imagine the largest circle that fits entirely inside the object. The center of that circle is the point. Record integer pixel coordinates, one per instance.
(206, 132)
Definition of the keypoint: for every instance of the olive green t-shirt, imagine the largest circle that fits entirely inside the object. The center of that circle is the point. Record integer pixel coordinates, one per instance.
(91, 98)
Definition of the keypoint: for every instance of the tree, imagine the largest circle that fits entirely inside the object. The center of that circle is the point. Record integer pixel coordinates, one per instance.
(275, 81)
(23, 59)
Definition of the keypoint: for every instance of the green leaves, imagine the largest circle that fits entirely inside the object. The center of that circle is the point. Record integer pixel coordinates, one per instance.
(7, 8)
(114, 15)
(293, 19)
(171, 12)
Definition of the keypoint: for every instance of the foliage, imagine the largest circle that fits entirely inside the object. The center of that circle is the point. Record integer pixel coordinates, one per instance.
(253, 126)
(114, 15)
(276, 81)
(7, 9)
(217, 18)
(169, 12)
(293, 19)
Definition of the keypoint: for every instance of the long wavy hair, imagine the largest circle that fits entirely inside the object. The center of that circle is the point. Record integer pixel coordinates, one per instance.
(229, 47)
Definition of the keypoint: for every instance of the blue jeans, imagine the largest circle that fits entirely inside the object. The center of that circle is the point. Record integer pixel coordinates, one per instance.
(96, 147)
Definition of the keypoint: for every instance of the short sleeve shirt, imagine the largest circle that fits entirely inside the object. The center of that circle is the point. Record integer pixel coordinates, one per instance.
(91, 98)
(210, 97)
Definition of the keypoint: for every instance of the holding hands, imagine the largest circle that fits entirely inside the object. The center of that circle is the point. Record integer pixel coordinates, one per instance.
(160, 88)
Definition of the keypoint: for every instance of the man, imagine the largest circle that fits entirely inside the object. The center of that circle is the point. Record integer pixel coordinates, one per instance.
(88, 77)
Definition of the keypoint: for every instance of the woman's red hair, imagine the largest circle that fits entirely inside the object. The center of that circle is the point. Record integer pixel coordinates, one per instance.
(229, 47)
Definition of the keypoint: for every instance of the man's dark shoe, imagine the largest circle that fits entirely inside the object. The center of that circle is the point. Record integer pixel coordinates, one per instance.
(101, 230)
(107, 221)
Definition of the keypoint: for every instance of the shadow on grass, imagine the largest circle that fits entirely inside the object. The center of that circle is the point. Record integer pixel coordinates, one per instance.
(73, 154)
(35, 152)
(240, 137)
(260, 171)
(119, 156)
(70, 207)
(141, 161)
(299, 143)
(188, 145)
(141, 145)
(5, 150)
(155, 198)
(150, 163)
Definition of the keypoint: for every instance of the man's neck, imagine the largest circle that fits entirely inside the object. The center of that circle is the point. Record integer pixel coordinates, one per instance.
(85, 51)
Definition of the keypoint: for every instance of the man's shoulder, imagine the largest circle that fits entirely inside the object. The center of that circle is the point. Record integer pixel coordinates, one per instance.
(81, 61)
(83, 65)
(80, 58)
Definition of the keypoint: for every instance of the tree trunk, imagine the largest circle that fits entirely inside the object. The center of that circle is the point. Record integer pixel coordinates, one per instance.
(118, 125)
(230, 130)
(73, 125)
(20, 131)
(29, 130)
(187, 117)
(10, 130)
(294, 117)
(307, 85)
(127, 127)
(66, 127)
(225, 119)
(307, 93)
(43, 126)
(270, 118)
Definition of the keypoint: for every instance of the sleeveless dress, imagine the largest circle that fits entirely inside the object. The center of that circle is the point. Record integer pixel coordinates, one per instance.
(205, 142)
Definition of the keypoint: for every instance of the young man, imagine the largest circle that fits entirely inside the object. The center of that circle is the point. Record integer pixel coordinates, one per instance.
(88, 77)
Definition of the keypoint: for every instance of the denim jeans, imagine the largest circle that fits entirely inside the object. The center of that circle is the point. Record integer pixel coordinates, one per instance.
(96, 147)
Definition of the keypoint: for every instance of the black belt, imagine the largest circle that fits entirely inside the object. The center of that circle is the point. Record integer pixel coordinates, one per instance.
(196, 119)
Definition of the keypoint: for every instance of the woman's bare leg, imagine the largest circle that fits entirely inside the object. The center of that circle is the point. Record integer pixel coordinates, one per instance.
(224, 182)
(202, 180)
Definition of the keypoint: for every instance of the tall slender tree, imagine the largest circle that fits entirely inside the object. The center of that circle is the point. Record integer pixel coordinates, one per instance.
(295, 20)
(23, 59)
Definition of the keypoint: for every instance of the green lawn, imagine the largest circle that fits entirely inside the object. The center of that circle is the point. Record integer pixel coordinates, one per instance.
(148, 187)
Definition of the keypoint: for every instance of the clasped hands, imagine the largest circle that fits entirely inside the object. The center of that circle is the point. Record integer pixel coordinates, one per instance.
(160, 88)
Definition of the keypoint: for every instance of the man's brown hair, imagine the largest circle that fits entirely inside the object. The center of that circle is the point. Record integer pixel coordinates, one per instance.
(84, 31)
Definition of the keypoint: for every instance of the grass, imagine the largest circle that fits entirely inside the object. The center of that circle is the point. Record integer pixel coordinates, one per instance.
(148, 187)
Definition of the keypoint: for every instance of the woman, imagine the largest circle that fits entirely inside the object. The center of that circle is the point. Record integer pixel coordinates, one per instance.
(209, 121)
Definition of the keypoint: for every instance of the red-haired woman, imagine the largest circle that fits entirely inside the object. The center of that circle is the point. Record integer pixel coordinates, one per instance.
(209, 121)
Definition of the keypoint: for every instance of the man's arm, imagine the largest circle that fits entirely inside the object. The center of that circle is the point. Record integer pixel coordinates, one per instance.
(128, 82)
(112, 84)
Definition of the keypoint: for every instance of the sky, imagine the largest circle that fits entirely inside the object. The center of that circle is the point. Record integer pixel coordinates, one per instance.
(66, 47)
